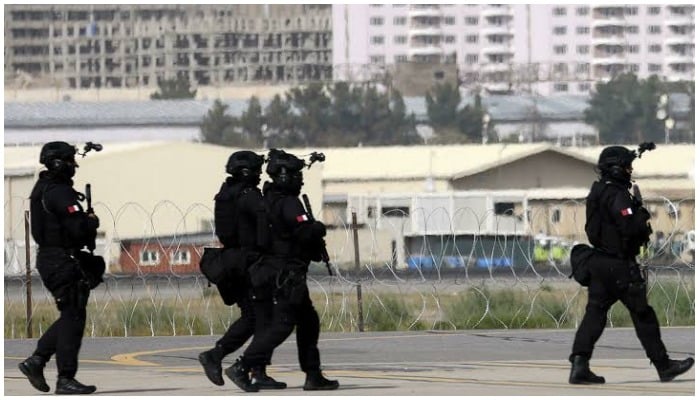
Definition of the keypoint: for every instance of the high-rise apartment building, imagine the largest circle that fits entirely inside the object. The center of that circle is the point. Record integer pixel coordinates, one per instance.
(547, 49)
(102, 45)
(542, 48)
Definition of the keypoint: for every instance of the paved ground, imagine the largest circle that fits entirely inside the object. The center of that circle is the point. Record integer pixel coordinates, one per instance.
(463, 363)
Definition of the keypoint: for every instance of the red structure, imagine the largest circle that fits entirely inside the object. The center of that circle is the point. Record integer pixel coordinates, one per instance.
(164, 255)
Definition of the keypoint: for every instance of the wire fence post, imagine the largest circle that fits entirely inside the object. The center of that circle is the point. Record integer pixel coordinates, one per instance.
(358, 285)
(29, 273)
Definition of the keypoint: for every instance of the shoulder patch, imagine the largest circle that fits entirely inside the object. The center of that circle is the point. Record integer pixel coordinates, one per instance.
(626, 211)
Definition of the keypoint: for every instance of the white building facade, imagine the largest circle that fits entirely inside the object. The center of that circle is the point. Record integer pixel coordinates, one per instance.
(542, 48)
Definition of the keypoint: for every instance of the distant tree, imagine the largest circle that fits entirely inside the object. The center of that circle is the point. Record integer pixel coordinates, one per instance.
(251, 122)
(442, 102)
(313, 108)
(178, 88)
(624, 110)
(469, 120)
(403, 126)
(280, 124)
(346, 106)
(375, 119)
(216, 123)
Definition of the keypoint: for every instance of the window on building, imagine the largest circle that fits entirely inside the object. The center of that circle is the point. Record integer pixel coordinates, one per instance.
(449, 20)
(583, 30)
(583, 49)
(634, 29)
(561, 87)
(633, 48)
(376, 59)
(654, 67)
(654, 29)
(400, 39)
(472, 38)
(471, 20)
(583, 68)
(629, 10)
(395, 212)
(180, 257)
(634, 67)
(584, 87)
(377, 39)
(148, 257)
(471, 58)
(652, 10)
(560, 30)
(561, 68)
(399, 20)
(556, 213)
(654, 48)
(505, 208)
(376, 21)
(559, 11)
(376, 5)
(449, 39)
(582, 10)
(371, 212)
(560, 49)
(400, 58)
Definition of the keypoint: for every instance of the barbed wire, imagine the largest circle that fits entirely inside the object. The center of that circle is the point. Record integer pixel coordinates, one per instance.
(417, 270)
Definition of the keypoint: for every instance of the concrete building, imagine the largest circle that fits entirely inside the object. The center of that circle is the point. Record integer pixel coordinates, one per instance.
(158, 196)
(126, 46)
(539, 48)
(543, 48)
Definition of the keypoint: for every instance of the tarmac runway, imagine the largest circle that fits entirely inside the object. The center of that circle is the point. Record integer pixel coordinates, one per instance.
(455, 363)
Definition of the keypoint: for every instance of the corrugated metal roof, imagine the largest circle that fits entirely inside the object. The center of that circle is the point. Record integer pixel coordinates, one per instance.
(191, 112)
(93, 114)
(667, 160)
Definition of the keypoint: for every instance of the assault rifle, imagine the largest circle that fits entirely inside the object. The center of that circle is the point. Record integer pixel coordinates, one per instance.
(324, 252)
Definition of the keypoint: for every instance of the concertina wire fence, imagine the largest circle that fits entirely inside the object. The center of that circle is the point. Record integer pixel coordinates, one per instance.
(497, 280)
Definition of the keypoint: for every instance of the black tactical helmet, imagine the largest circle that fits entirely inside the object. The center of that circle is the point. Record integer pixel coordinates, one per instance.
(54, 154)
(245, 162)
(615, 156)
(614, 162)
(281, 163)
(285, 171)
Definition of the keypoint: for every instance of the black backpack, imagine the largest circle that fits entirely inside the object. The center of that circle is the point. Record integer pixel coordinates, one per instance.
(226, 267)
(580, 265)
(594, 217)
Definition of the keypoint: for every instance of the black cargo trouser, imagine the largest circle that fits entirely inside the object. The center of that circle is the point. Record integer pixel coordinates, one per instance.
(292, 308)
(256, 316)
(614, 279)
(62, 276)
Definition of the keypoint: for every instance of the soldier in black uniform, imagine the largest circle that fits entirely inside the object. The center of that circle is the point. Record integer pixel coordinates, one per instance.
(296, 241)
(241, 226)
(617, 225)
(61, 228)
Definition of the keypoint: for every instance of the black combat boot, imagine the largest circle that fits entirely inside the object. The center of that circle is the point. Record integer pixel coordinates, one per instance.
(669, 369)
(211, 362)
(262, 380)
(71, 386)
(33, 369)
(238, 373)
(316, 381)
(581, 373)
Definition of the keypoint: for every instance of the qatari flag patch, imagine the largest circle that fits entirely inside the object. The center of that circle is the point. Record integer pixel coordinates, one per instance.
(626, 211)
(73, 208)
(302, 218)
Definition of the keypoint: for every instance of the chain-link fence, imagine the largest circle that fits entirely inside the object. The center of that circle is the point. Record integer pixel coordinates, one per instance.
(396, 268)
